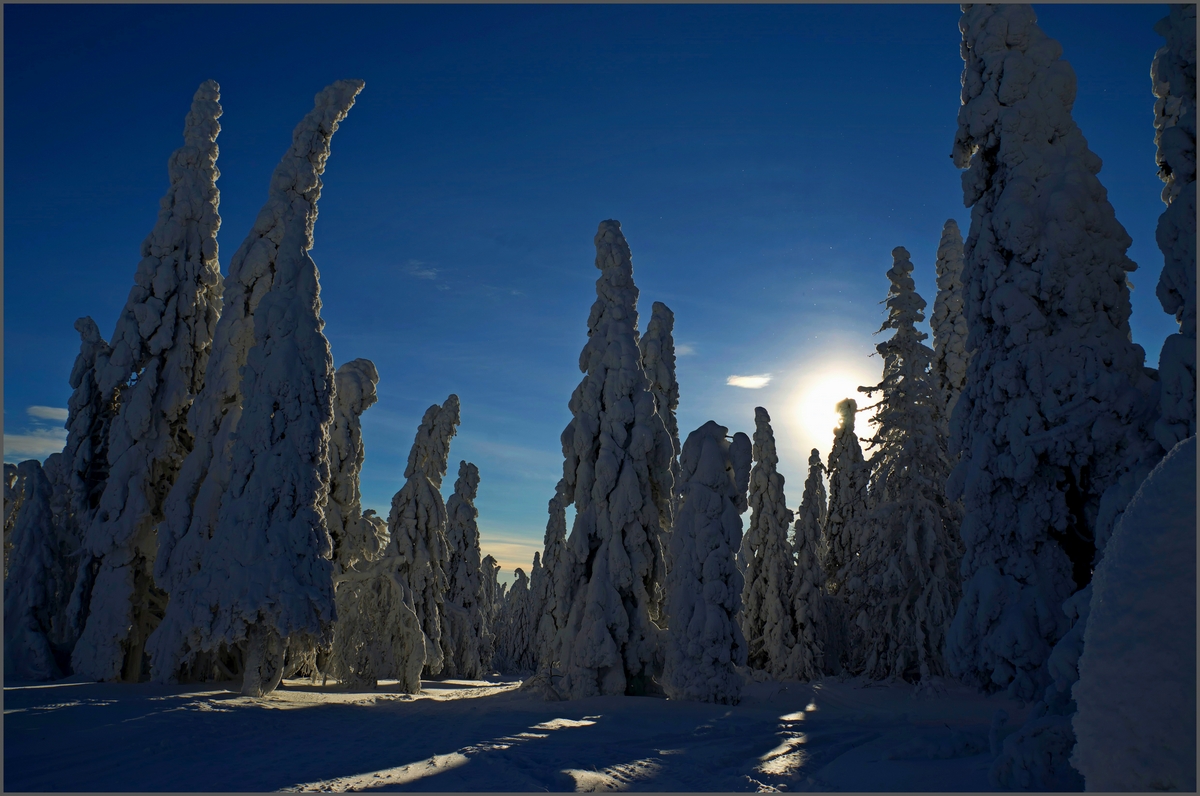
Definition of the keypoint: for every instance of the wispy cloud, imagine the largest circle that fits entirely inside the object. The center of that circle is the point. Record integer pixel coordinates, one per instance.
(47, 412)
(684, 350)
(420, 270)
(510, 552)
(749, 382)
(36, 444)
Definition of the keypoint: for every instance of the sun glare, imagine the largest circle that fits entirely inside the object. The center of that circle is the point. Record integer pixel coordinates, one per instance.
(818, 397)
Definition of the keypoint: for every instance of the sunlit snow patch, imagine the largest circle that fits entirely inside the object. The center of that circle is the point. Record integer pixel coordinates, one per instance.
(610, 778)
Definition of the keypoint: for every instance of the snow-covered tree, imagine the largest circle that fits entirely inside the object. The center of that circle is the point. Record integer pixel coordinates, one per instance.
(766, 617)
(615, 449)
(658, 360)
(555, 572)
(160, 350)
(948, 322)
(418, 552)
(1057, 407)
(262, 576)
(518, 625)
(848, 478)
(465, 595)
(1136, 689)
(704, 643)
(908, 564)
(1173, 74)
(38, 585)
(492, 602)
(14, 495)
(355, 537)
(808, 578)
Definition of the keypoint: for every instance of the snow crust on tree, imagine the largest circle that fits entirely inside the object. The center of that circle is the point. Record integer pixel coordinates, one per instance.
(805, 661)
(465, 593)
(418, 553)
(556, 579)
(906, 569)
(355, 538)
(1136, 720)
(658, 360)
(39, 582)
(1173, 76)
(515, 637)
(160, 350)
(948, 321)
(193, 505)
(1057, 407)
(848, 498)
(14, 496)
(263, 576)
(766, 617)
(704, 643)
(616, 449)
(492, 604)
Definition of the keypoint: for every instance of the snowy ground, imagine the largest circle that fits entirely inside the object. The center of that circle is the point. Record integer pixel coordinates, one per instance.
(461, 735)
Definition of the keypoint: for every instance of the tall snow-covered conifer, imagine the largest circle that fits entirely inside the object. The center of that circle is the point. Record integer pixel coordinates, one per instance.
(848, 477)
(489, 574)
(658, 360)
(261, 572)
(948, 322)
(616, 447)
(704, 643)
(160, 350)
(355, 537)
(1057, 407)
(465, 591)
(554, 581)
(908, 565)
(766, 617)
(418, 551)
(514, 642)
(808, 578)
(1173, 74)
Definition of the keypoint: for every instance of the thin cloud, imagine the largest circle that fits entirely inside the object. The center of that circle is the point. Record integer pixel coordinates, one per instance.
(47, 412)
(37, 444)
(684, 350)
(749, 382)
(420, 270)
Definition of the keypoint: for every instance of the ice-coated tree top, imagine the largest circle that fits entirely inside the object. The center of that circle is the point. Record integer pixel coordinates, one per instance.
(354, 393)
(658, 360)
(430, 453)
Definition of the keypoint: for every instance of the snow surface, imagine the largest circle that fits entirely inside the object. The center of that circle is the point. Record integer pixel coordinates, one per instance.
(1136, 694)
(1058, 407)
(470, 736)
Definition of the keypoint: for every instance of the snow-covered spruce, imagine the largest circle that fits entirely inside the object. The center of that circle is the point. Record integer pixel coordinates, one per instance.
(160, 350)
(418, 553)
(14, 495)
(193, 505)
(848, 499)
(492, 601)
(1136, 722)
(808, 578)
(84, 463)
(355, 538)
(908, 563)
(264, 579)
(464, 605)
(514, 641)
(554, 580)
(38, 585)
(704, 643)
(1057, 407)
(658, 360)
(766, 617)
(948, 322)
(1173, 75)
(615, 449)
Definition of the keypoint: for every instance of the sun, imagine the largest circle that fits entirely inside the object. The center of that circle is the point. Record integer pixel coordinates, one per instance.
(819, 394)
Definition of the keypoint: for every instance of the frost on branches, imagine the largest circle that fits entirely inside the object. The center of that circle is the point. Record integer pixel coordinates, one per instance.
(948, 322)
(1136, 721)
(848, 476)
(766, 617)
(908, 564)
(704, 643)
(160, 349)
(263, 577)
(514, 639)
(616, 448)
(466, 623)
(1173, 74)
(808, 578)
(355, 538)
(38, 585)
(658, 360)
(1057, 407)
(418, 553)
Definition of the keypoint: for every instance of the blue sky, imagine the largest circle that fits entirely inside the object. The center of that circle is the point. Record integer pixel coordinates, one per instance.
(763, 161)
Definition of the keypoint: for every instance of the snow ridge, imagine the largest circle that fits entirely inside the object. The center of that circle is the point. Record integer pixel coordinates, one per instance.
(1057, 405)
(160, 350)
(766, 617)
(704, 643)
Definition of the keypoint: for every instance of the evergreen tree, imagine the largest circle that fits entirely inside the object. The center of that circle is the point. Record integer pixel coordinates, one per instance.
(658, 360)
(355, 537)
(848, 477)
(465, 592)
(948, 322)
(808, 578)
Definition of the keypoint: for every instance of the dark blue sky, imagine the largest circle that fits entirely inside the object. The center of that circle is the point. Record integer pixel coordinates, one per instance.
(763, 160)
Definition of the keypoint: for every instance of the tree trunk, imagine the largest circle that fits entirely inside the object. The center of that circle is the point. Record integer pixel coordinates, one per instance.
(264, 661)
